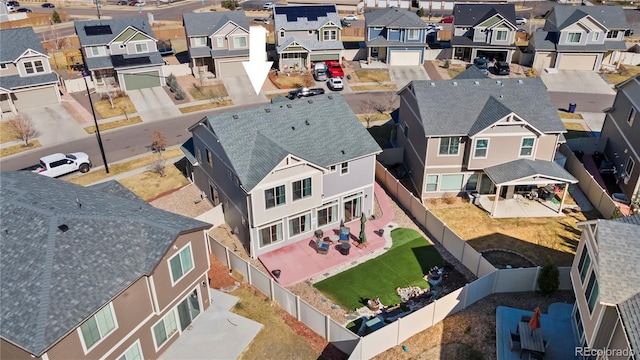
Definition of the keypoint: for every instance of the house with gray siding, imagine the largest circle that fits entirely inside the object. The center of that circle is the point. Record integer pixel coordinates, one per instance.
(306, 34)
(217, 42)
(94, 272)
(26, 77)
(395, 36)
(121, 53)
(484, 31)
(579, 38)
(481, 135)
(606, 281)
(283, 170)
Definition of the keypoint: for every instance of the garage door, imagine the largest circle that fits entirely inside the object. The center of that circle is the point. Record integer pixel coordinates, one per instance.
(577, 62)
(141, 80)
(543, 61)
(35, 97)
(230, 68)
(405, 58)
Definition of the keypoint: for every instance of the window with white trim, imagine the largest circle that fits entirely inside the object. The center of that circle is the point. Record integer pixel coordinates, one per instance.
(33, 67)
(98, 327)
(613, 34)
(200, 41)
(181, 263)
(329, 35)
(142, 48)
(300, 224)
(301, 189)
(239, 42)
(344, 168)
(583, 264)
(275, 196)
(209, 157)
(472, 183)
(413, 34)
(578, 321)
(220, 41)
(451, 182)
(134, 352)
(628, 168)
(596, 36)
(480, 151)
(98, 50)
(501, 35)
(3, 66)
(526, 147)
(328, 214)
(164, 329)
(432, 183)
(574, 37)
(632, 116)
(270, 234)
(199, 155)
(281, 33)
(449, 145)
(591, 292)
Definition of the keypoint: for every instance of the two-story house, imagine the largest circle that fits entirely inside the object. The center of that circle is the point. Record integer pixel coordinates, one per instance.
(26, 77)
(606, 281)
(283, 170)
(305, 34)
(479, 135)
(218, 42)
(579, 38)
(395, 36)
(94, 272)
(621, 131)
(484, 31)
(121, 53)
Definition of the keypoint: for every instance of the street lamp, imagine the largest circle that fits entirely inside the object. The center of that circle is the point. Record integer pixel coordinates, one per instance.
(98, 5)
(85, 73)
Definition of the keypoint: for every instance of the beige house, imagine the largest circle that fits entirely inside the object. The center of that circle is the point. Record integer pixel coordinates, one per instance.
(606, 281)
(96, 272)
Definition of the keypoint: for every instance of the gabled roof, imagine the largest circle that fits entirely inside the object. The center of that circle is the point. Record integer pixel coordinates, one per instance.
(630, 315)
(529, 170)
(207, 23)
(16, 41)
(460, 107)
(548, 41)
(612, 17)
(106, 30)
(14, 82)
(474, 14)
(304, 17)
(322, 130)
(45, 271)
(311, 44)
(471, 73)
(393, 17)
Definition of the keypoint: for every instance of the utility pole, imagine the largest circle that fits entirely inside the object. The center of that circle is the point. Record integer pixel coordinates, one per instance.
(95, 121)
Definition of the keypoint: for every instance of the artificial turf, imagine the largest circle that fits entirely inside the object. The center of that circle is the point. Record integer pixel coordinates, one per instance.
(409, 259)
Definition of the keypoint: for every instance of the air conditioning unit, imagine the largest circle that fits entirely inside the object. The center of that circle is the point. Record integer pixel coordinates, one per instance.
(626, 179)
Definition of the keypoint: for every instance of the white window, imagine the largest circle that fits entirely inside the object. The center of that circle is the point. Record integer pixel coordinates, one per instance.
(199, 155)
(98, 327)
(164, 329)
(281, 33)
(142, 48)
(482, 145)
(301, 189)
(328, 214)
(329, 35)
(274, 197)
(449, 145)
(332, 168)
(526, 148)
(181, 263)
(300, 224)
(596, 36)
(344, 168)
(613, 34)
(240, 42)
(133, 353)
(220, 41)
(632, 116)
(413, 34)
(377, 28)
(270, 234)
(200, 41)
(34, 67)
(3, 66)
(501, 35)
(451, 182)
(432, 183)
(98, 50)
(574, 37)
(591, 292)
(628, 168)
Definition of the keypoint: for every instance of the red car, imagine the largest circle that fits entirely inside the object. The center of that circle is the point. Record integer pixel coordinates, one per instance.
(447, 20)
(334, 69)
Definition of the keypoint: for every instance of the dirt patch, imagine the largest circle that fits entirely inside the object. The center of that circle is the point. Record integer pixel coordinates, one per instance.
(206, 92)
(185, 201)
(121, 105)
(292, 80)
(624, 72)
(373, 87)
(7, 132)
(207, 106)
(378, 76)
(501, 259)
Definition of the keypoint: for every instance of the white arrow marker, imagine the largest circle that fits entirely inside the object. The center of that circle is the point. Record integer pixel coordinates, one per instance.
(257, 67)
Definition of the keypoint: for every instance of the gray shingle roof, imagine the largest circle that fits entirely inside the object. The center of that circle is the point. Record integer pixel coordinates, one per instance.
(474, 14)
(51, 280)
(326, 13)
(630, 315)
(468, 41)
(120, 61)
(17, 41)
(117, 26)
(612, 17)
(312, 45)
(207, 23)
(526, 168)
(393, 17)
(472, 73)
(545, 40)
(258, 140)
(453, 107)
(16, 81)
(382, 41)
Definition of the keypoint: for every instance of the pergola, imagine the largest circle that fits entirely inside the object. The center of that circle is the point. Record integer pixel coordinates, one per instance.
(528, 172)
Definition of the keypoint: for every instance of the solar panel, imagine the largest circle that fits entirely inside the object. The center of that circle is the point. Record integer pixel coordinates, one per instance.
(312, 13)
(121, 61)
(97, 30)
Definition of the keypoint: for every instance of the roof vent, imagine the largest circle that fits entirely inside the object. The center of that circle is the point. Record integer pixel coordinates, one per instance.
(501, 96)
(306, 122)
(432, 84)
(455, 83)
(293, 128)
(330, 97)
(236, 117)
(63, 228)
(342, 151)
(267, 110)
(499, 82)
(289, 106)
(476, 82)
(520, 81)
(310, 101)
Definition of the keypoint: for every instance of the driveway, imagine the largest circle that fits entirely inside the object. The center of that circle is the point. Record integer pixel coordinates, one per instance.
(402, 75)
(241, 92)
(586, 89)
(153, 104)
(55, 124)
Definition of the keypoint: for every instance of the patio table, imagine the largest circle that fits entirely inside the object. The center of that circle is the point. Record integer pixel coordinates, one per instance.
(530, 340)
(334, 238)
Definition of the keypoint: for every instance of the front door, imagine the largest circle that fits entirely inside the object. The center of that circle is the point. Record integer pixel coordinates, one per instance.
(352, 207)
(215, 198)
(189, 309)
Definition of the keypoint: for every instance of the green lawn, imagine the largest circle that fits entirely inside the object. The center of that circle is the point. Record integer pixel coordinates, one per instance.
(410, 257)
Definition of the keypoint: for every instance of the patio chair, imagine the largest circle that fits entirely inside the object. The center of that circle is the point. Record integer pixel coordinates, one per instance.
(514, 342)
(344, 234)
(536, 356)
(322, 247)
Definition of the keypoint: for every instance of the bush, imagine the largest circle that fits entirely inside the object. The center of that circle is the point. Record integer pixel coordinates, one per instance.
(171, 79)
(229, 4)
(447, 64)
(180, 94)
(549, 280)
(55, 17)
(421, 12)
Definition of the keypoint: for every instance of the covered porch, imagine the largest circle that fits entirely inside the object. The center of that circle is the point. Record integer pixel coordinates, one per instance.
(525, 187)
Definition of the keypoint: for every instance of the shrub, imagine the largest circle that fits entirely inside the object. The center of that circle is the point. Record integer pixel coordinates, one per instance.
(179, 94)
(421, 12)
(229, 4)
(171, 79)
(55, 17)
(447, 64)
(549, 280)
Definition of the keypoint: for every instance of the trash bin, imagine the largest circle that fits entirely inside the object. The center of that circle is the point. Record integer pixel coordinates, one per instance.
(572, 107)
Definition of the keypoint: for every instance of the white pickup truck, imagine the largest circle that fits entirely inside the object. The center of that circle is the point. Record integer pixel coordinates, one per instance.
(59, 164)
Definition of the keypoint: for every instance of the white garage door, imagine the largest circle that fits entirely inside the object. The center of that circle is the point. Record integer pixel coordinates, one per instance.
(230, 68)
(577, 62)
(35, 97)
(405, 58)
(543, 61)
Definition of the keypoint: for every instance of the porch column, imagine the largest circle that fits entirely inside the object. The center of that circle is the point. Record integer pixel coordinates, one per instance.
(494, 207)
(564, 195)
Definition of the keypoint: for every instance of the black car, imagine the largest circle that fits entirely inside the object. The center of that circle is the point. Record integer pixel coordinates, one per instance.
(15, 4)
(122, 2)
(628, 32)
(345, 23)
(27, 10)
(261, 20)
(48, 5)
(304, 92)
(502, 68)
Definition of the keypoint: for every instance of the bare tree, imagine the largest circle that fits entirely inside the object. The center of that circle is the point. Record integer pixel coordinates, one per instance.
(216, 94)
(390, 102)
(53, 38)
(160, 165)
(158, 141)
(109, 93)
(368, 109)
(24, 127)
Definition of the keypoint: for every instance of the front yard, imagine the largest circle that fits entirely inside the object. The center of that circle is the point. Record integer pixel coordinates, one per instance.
(121, 105)
(624, 72)
(293, 80)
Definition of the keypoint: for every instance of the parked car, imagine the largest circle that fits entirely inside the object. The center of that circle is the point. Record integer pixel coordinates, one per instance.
(447, 20)
(335, 84)
(334, 68)
(140, 3)
(502, 68)
(431, 26)
(482, 64)
(59, 164)
(267, 6)
(628, 32)
(521, 30)
(15, 4)
(10, 8)
(304, 92)
(25, 10)
(122, 2)
(345, 23)
(352, 17)
(521, 21)
(320, 71)
(261, 20)
(48, 5)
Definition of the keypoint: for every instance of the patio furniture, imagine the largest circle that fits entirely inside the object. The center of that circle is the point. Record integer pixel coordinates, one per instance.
(322, 247)
(525, 318)
(530, 341)
(334, 238)
(536, 356)
(318, 234)
(344, 234)
(514, 342)
(345, 247)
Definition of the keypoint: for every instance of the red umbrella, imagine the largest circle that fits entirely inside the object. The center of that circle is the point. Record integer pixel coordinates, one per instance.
(534, 323)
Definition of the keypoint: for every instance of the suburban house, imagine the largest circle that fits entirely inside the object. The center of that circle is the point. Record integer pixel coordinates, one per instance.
(480, 135)
(395, 36)
(283, 170)
(121, 53)
(95, 272)
(621, 131)
(305, 34)
(606, 281)
(26, 77)
(218, 42)
(579, 38)
(484, 31)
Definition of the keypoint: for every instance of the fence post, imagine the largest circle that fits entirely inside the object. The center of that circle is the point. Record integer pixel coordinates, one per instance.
(495, 280)
(327, 323)
(478, 266)
(464, 244)
(398, 333)
(248, 273)
(271, 289)
(226, 252)
(298, 317)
